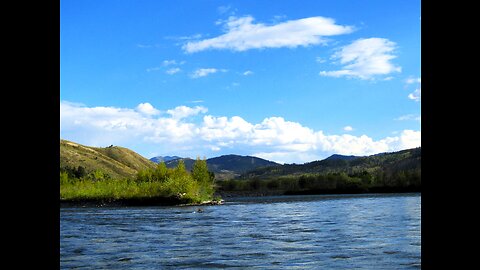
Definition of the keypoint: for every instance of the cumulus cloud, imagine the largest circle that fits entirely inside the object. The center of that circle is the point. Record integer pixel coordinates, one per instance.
(347, 128)
(242, 34)
(365, 59)
(184, 111)
(202, 72)
(147, 108)
(273, 138)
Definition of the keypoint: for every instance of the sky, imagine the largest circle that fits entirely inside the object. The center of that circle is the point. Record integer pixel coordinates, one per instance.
(288, 81)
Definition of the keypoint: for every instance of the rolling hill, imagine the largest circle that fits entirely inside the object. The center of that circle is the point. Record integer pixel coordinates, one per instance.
(118, 162)
(409, 159)
(342, 157)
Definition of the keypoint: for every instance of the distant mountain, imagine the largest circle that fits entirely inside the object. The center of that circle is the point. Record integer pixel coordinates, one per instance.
(388, 163)
(118, 162)
(227, 166)
(174, 163)
(164, 159)
(341, 157)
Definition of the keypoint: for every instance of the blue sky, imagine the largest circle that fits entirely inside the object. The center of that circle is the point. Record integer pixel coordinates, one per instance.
(280, 80)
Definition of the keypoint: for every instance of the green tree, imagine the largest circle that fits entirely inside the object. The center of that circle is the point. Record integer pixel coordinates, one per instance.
(203, 177)
(180, 170)
(200, 171)
(80, 172)
(161, 172)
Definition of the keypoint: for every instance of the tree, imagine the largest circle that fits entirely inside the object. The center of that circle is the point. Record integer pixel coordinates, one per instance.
(180, 170)
(80, 172)
(203, 177)
(161, 172)
(200, 171)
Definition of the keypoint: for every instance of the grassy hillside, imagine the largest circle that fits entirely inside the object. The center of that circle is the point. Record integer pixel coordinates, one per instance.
(118, 162)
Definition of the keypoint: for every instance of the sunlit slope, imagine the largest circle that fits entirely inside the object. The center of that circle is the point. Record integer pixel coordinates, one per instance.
(118, 162)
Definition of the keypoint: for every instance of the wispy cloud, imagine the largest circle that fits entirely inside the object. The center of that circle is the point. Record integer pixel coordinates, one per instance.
(412, 80)
(408, 117)
(172, 63)
(197, 101)
(365, 59)
(247, 73)
(242, 34)
(417, 94)
(319, 59)
(202, 72)
(274, 137)
(173, 71)
(223, 9)
(153, 69)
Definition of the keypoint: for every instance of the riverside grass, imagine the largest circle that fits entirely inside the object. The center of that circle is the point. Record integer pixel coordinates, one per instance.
(195, 187)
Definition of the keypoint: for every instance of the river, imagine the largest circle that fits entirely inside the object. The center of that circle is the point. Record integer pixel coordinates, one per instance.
(368, 231)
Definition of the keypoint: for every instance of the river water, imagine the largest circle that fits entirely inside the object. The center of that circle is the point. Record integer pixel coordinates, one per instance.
(369, 231)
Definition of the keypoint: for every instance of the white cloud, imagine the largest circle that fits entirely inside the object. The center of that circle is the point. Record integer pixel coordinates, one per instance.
(153, 69)
(223, 9)
(408, 117)
(184, 111)
(365, 59)
(412, 80)
(173, 71)
(202, 72)
(417, 94)
(147, 108)
(172, 62)
(248, 72)
(274, 138)
(242, 34)
(347, 128)
(320, 60)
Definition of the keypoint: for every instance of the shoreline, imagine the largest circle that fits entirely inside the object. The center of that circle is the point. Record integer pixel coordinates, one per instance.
(173, 201)
(160, 201)
(263, 193)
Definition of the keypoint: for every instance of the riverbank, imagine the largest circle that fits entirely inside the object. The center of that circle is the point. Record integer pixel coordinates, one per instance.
(263, 193)
(156, 201)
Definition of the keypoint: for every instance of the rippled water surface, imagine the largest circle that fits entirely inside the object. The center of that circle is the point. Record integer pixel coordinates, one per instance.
(288, 232)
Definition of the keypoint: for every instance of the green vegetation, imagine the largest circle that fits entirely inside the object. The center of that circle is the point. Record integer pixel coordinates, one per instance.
(387, 172)
(328, 183)
(159, 182)
(227, 166)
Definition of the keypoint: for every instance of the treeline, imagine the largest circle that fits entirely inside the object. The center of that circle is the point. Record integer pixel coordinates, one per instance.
(404, 160)
(161, 182)
(325, 183)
